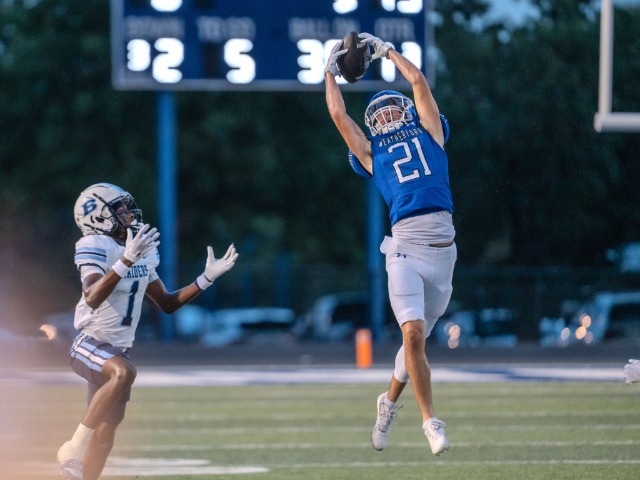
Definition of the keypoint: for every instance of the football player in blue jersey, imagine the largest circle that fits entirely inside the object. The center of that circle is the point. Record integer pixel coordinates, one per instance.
(405, 157)
(117, 260)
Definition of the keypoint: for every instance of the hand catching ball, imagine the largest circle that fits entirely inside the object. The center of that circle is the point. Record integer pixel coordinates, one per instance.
(353, 64)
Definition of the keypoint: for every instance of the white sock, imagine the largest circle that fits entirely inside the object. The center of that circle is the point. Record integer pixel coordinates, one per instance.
(388, 402)
(81, 438)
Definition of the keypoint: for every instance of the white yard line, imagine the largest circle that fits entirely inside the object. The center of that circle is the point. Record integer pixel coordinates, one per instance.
(199, 376)
(158, 467)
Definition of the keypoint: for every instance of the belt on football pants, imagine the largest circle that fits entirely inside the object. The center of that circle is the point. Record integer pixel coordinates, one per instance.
(440, 245)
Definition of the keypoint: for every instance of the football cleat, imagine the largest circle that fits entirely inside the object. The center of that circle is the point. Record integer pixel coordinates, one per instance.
(71, 467)
(381, 430)
(434, 431)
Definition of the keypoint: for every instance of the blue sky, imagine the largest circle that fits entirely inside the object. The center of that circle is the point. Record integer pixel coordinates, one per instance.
(519, 10)
(516, 11)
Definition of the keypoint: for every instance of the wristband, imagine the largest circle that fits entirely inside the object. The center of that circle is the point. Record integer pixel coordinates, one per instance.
(120, 268)
(202, 282)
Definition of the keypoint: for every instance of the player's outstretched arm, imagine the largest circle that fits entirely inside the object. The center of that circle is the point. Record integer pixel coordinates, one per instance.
(426, 105)
(423, 98)
(352, 134)
(169, 302)
(216, 266)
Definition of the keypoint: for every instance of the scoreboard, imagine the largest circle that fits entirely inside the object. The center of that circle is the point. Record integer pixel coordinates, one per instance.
(270, 45)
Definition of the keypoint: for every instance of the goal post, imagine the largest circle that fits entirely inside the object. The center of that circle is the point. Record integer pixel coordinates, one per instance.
(605, 119)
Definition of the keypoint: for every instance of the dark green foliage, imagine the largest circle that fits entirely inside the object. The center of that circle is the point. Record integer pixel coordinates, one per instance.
(533, 183)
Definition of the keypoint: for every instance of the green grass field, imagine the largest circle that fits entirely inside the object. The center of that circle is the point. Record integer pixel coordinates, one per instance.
(510, 431)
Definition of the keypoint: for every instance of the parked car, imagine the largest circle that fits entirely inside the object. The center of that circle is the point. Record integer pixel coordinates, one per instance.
(486, 327)
(604, 316)
(257, 325)
(337, 316)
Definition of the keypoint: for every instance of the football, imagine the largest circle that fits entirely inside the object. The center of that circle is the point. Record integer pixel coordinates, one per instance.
(353, 64)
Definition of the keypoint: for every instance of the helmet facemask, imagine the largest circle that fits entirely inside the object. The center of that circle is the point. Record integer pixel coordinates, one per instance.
(388, 112)
(121, 209)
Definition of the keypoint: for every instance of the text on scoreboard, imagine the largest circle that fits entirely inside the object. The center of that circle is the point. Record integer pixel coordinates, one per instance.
(255, 44)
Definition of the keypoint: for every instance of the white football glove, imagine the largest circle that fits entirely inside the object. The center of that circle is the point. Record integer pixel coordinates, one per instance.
(332, 66)
(139, 245)
(216, 266)
(632, 371)
(380, 48)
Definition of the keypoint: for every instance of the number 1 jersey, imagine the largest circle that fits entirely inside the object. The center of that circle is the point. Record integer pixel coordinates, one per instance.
(116, 320)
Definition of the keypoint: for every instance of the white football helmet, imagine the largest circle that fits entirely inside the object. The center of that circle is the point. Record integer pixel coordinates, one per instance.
(388, 111)
(96, 210)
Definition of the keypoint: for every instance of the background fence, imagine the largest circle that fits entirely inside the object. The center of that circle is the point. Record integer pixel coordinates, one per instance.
(533, 292)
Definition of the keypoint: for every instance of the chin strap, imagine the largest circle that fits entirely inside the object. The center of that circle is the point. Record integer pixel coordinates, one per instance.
(392, 126)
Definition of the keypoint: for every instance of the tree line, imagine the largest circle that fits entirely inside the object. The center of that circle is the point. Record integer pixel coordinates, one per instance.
(533, 183)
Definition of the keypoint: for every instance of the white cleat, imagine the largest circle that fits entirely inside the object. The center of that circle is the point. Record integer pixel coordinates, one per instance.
(434, 431)
(381, 430)
(632, 371)
(70, 466)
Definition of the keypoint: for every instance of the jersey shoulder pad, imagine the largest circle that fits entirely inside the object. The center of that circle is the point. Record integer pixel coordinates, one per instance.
(92, 249)
(357, 166)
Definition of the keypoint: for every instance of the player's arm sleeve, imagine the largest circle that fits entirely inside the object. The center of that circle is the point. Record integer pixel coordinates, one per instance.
(357, 166)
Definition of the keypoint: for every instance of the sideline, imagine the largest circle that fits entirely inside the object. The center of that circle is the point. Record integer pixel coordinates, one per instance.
(194, 376)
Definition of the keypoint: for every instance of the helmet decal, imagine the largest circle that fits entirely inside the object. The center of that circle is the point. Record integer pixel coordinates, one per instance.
(89, 206)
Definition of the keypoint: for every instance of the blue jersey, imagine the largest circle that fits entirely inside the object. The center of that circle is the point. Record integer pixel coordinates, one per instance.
(411, 170)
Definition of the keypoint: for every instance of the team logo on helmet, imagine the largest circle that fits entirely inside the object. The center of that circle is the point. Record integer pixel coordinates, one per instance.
(89, 206)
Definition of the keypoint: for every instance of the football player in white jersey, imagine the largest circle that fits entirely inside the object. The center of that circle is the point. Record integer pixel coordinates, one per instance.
(117, 260)
(405, 158)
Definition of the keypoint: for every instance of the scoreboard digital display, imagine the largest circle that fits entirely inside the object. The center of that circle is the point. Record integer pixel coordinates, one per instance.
(256, 44)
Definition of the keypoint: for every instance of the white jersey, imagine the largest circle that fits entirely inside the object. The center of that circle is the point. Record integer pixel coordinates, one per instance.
(116, 320)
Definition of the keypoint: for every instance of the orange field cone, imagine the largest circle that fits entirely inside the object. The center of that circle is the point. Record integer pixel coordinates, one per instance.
(364, 352)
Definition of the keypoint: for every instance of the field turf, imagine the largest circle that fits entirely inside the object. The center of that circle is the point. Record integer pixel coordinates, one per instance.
(510, 431)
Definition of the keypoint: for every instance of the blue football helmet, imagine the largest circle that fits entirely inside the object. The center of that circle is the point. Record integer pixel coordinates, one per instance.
(387, 111)
(102, 208)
